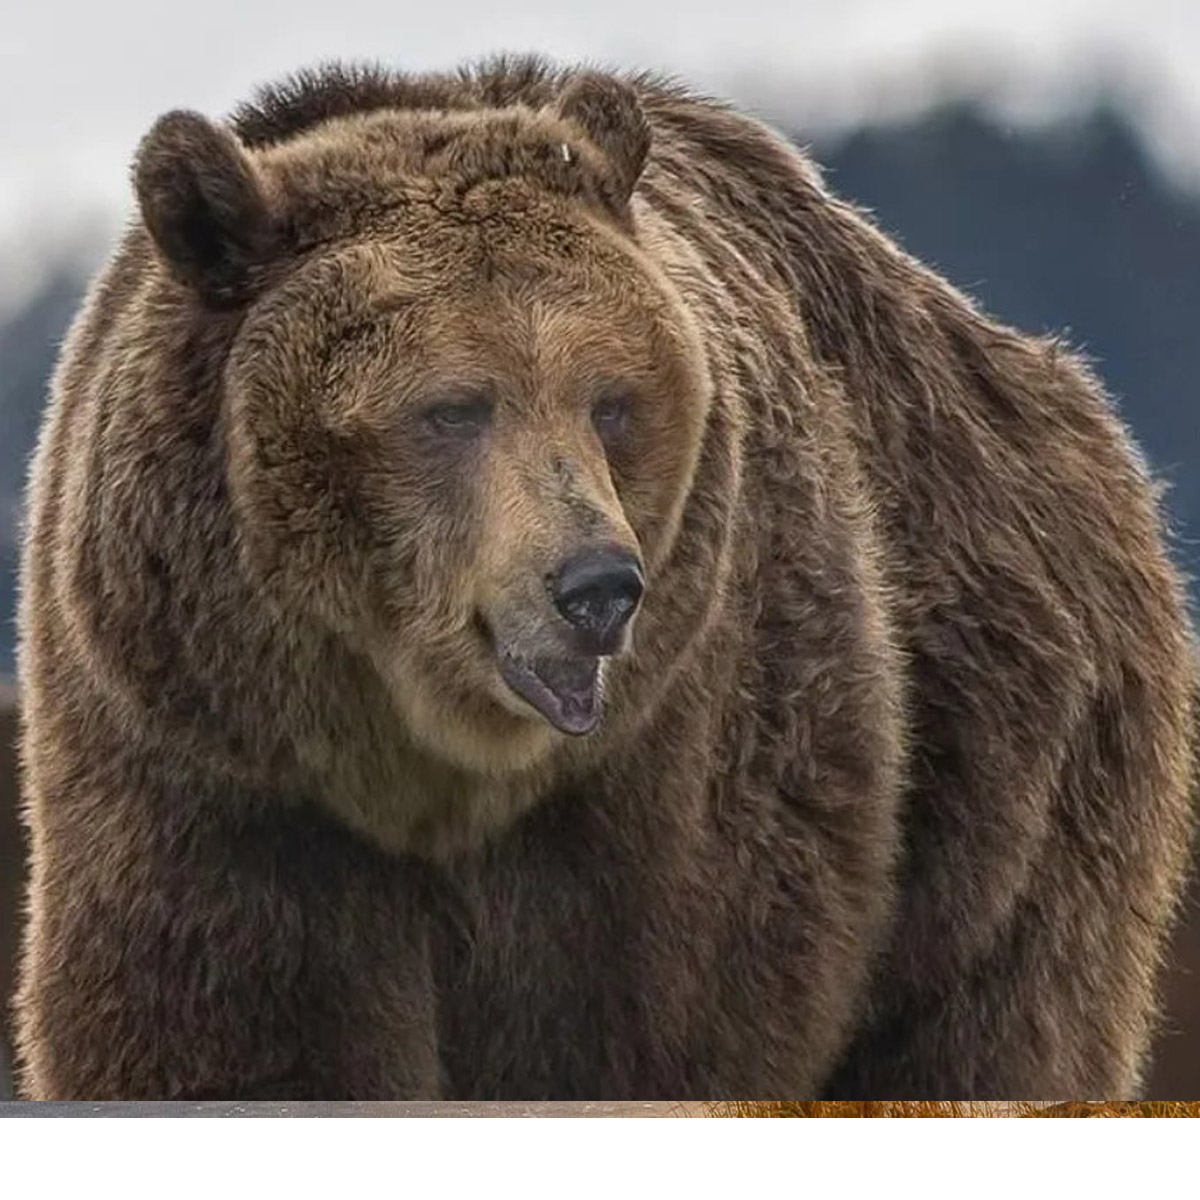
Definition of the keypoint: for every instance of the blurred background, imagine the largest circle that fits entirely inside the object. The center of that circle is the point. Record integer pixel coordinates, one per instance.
(1043, 154)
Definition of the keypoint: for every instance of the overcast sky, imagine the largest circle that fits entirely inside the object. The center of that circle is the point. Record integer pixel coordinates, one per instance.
(80, 81)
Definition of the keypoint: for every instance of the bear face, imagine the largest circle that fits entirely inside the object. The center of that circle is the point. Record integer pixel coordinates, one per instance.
(462, 408)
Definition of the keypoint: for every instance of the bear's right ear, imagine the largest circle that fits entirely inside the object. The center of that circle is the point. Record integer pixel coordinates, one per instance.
(205, 207)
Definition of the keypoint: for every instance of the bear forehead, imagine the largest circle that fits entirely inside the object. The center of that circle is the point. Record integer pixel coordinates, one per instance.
(514, 167)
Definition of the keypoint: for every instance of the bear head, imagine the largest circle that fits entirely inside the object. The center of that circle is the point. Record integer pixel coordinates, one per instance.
(463, 404)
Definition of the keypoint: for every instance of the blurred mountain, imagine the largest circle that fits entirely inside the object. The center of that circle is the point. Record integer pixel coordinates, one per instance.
(1069, 228)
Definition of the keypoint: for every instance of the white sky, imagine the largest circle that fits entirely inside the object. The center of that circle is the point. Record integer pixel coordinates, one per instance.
(81, 80)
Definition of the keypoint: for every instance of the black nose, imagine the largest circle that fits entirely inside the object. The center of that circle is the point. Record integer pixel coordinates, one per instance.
(597, 592)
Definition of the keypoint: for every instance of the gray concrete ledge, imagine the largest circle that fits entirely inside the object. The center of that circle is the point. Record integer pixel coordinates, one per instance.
(348, 1108)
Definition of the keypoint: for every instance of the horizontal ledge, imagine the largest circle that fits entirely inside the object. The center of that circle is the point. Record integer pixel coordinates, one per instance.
(354, 1108)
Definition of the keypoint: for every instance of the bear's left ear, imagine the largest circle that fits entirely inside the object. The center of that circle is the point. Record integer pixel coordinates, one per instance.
(608, 112)
(205, 207)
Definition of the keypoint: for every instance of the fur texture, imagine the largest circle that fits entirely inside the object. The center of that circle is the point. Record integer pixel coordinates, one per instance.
(890, 797)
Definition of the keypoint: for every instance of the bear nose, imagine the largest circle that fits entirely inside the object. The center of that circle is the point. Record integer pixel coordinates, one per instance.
(597, 592)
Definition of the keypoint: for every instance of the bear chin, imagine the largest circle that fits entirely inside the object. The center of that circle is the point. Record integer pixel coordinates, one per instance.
(489, 719)
(488, 733)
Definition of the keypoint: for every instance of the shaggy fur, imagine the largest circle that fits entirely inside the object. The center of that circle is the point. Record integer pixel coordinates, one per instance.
(890, 796)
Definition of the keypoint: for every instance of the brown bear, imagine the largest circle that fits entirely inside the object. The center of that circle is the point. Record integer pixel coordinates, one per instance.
(527, 595)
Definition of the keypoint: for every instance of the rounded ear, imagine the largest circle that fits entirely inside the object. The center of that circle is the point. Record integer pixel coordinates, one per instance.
(204, 205)
(608, 112)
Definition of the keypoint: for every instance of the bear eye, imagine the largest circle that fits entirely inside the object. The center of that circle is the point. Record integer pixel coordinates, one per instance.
(459, 418)
(611, 413)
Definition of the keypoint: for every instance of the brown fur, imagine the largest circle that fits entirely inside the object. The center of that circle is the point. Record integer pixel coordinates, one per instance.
(890, 796)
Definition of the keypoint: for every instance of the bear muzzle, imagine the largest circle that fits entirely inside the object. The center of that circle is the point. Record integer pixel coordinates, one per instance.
(559, 672)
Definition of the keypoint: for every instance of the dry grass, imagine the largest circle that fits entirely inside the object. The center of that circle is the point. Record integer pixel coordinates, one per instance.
(951, 1108)
(1122, 1108)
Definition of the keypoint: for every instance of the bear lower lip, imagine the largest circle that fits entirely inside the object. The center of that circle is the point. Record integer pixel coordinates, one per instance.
(564, 691)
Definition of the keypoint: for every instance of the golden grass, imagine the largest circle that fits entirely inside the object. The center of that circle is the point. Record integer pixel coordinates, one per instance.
(1122, 1108)
(951, 1108)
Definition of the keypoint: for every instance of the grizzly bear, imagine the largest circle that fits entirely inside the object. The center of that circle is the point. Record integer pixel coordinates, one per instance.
(527, 595)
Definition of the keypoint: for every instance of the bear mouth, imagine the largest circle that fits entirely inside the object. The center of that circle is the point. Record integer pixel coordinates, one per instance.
(566, 691)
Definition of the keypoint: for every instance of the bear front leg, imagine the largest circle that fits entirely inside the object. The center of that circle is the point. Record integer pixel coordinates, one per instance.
(174, 954)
